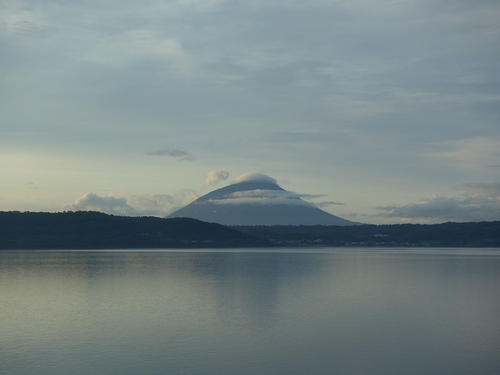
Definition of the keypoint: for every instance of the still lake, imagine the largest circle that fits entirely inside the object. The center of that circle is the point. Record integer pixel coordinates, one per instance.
(277, 311)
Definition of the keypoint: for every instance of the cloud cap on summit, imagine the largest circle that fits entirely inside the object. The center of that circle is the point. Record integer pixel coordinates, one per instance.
(257, 199)
(255, 177)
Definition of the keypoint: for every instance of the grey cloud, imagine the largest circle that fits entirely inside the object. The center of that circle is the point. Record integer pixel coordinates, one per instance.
(469, 153)
(31, 185)
(357, 88)
(472, 208)
(298, 136)
(488, 188)
(18, 20)
(260, 196)
(173, 152)
(328, 203)
(322, 203)
(216, 176)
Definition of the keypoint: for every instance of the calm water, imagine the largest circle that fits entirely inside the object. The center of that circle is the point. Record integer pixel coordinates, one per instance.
(328, 311)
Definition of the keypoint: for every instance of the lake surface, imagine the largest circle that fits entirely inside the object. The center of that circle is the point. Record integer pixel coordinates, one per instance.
(307, 311)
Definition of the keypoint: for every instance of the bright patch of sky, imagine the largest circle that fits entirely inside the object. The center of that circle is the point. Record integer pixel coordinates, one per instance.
(390, 107)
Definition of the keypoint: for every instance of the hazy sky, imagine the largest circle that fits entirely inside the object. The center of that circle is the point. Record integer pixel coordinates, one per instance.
(390, 108)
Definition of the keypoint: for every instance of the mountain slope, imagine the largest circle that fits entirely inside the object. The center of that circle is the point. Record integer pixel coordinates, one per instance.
(256, 200)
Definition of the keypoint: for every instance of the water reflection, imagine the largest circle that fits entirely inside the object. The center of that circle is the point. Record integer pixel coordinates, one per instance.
(344, 312)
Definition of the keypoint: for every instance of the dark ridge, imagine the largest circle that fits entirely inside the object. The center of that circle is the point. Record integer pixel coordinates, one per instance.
(95, 230)
(479, 234)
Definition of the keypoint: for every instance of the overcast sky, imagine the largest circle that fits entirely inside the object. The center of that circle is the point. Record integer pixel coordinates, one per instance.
(389, 110)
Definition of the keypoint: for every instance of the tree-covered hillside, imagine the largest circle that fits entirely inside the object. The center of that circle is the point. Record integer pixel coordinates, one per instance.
(95, 230)
(481, 234)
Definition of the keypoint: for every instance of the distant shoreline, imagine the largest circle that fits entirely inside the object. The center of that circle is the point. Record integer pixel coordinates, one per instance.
(87, 230)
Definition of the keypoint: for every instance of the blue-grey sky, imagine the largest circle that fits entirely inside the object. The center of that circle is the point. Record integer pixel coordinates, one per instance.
(390, 108)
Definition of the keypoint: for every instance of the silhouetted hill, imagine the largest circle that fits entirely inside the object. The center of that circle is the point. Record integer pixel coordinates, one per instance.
(481, 234)
(95, 230)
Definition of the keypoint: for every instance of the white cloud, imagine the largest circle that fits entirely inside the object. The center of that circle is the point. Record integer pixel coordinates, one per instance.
(255, 177)
(137, 205)
(216, 176)
(153, 204)
(260, 196)
(108, 204)
(161, 204)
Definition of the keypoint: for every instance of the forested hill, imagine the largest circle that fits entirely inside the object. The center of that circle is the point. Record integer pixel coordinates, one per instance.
(481, 234)
(95, 230)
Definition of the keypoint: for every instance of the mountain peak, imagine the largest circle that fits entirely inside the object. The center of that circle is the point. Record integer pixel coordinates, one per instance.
(257, 199)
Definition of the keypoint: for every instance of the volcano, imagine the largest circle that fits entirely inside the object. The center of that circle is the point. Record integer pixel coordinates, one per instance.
(257, 199)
